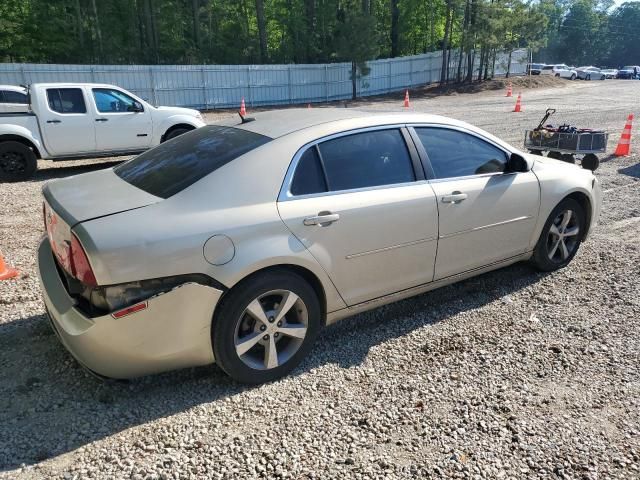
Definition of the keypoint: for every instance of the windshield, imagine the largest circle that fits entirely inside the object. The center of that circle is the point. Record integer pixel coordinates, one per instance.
(173, 166)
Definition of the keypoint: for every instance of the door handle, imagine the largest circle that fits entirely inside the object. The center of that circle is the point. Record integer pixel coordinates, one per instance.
(53, 121)
(455, 197)
(102, 119)
(323, 219)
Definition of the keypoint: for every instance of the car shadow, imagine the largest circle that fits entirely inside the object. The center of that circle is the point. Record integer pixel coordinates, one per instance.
(632, 171)
(49, 405)
(52, 172)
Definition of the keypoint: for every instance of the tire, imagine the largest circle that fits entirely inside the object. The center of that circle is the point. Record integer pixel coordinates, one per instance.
(176, 132)
(545, 256)
(573, 76)
(568, 157)
(233, 325)
(590, 161)
(557, 75)
(17, 162)
(588, 77)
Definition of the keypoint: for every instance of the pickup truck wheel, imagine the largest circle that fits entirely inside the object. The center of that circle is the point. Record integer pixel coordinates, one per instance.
(17, 162)
(176, 132)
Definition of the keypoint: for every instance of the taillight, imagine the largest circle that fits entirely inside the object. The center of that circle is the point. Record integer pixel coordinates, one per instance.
(80, 266)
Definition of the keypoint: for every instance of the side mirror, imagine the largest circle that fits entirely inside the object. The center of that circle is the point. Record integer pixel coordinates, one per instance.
(137, 107)
(517, 163)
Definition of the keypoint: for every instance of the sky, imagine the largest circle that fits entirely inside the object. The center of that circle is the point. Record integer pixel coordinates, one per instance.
(617, 3)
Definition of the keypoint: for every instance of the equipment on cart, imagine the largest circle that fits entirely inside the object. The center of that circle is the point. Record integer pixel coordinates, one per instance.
(565, 141)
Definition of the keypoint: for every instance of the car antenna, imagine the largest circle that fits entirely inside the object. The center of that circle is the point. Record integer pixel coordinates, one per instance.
(246, 119)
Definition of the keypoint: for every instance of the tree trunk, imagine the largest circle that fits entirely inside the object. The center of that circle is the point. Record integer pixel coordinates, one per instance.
(98, 31)
(482, 54)
(509, 65)
(196, 23)
(310, 7)
(79, 27)
(354, 80)
(465, 27)
(445, 43)
(262, 30)
(395, 19)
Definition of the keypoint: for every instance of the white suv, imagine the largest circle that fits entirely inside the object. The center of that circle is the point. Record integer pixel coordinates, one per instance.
(559, 70)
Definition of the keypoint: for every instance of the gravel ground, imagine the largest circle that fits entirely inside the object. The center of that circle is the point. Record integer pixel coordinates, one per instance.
(514, 374)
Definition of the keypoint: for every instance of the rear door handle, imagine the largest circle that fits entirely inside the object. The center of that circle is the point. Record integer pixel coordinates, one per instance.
(53, 121)
(323, 219)
(455, 197)
(102, 119)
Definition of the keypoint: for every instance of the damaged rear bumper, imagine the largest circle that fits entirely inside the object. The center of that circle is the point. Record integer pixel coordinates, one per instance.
(172, 332)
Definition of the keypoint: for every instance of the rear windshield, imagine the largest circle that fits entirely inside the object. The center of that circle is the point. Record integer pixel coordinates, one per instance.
(173, 166)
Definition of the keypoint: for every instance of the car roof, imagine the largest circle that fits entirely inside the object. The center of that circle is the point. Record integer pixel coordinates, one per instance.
(73, 85)
(13, 88)
(278, 123)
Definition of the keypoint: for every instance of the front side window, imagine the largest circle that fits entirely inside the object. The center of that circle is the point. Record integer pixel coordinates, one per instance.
(366, 159)
(66, 100)
(113, 101)
(10, 96)
(453, 153)
(177, 164)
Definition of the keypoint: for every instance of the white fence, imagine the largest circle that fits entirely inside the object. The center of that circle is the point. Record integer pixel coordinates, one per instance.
(221, 86)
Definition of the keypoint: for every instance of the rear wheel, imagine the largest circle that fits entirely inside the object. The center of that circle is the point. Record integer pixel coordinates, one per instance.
(560, 237)
(17, 162)
(265, 326)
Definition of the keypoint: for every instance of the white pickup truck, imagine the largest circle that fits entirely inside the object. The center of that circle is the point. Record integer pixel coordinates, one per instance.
(84, 120)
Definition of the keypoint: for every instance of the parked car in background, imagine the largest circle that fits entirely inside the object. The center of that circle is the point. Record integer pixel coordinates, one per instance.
(560, 70)
(534, 68)
(84, 120)
(13, 99)
(610, 72)
(590, 73)
(629, 72)
(237, 242)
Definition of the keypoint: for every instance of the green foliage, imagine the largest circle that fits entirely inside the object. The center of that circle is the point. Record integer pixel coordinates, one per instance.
(312, 31)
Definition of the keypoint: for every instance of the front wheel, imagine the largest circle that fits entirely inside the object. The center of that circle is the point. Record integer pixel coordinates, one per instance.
(17, 162)
(176, 132)
(265, 326)
(560, 237)
(573, 76)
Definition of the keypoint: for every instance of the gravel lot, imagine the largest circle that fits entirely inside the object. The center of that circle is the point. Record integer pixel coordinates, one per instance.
(514, 374)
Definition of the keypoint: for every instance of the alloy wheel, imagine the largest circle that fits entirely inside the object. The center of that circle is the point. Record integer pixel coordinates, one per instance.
(271, 329)
(562, 240)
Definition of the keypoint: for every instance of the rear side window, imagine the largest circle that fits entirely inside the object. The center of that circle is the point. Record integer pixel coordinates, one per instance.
(366, 159)
(309, 177)
(548, 67)
(173, 166)
(66, 100)
(457, 154)
(9, 96)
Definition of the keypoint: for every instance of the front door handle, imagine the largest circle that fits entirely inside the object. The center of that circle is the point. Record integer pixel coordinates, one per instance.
(102, 119)
(53, 121)
(455, 197)
(323, 219)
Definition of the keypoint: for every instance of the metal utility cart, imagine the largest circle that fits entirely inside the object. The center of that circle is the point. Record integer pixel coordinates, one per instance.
(564, 142)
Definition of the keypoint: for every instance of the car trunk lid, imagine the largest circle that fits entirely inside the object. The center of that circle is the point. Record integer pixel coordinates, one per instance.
(93, 195)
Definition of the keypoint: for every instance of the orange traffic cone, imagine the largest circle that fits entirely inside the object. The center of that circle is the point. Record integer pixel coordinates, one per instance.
(243, 109)
(6, 272)
(624, 145)
(406, 99)
(509, 91)
(518, 104)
